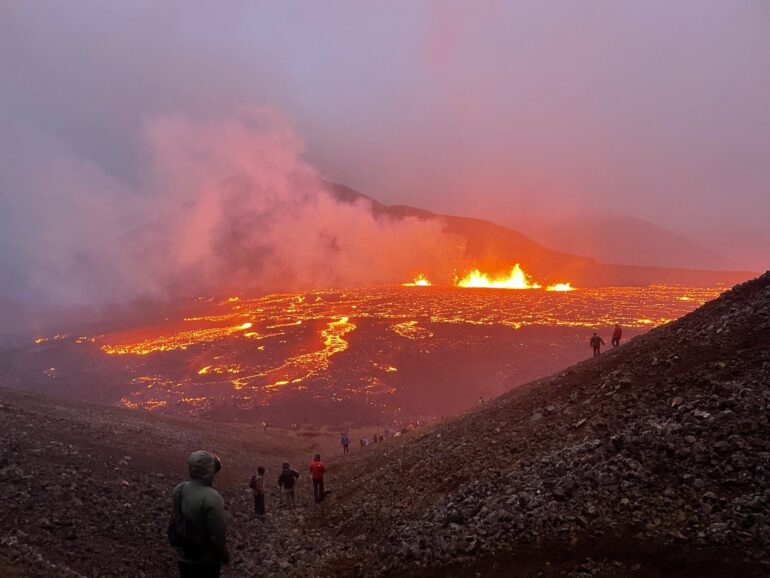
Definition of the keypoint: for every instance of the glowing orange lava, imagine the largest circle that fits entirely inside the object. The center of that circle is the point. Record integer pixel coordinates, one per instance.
(420, 280)
(560, 287)
(516, 279)
(259, 347)
(180, 340)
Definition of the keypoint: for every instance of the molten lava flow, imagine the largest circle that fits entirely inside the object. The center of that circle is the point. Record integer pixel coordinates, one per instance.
(517, 279)
(180, 340)
(560, 287)
(412, 330)
(301, 367)
(285, 344)
(420, 280)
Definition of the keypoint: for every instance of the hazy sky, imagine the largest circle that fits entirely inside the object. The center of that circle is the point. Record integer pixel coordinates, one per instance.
(513, 111)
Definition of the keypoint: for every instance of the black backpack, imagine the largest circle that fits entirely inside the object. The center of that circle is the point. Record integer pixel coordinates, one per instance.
(287, 478)
(183, 533)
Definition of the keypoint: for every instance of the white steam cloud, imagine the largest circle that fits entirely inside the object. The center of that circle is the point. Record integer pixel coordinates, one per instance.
(222, 204)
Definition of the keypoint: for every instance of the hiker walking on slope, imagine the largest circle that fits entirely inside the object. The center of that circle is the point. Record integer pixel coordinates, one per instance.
(317, 471)
(596, 344)
(197, 528)
(345, 443)
(257, 484)
(616, 335)
(286, 481)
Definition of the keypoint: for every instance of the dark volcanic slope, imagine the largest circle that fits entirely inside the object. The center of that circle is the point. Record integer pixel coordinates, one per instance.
(653, 460)
(85, 490)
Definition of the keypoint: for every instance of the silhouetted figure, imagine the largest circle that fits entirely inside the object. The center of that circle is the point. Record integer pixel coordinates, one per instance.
(257, 484)
(317, 471)
(264, 425)
(345, 443)
(481, 400)
(596, 344)
(286, 481)
(197, 529)
(616, 335)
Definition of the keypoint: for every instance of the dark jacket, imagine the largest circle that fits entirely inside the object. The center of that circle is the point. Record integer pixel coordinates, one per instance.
(287, 478)
(203, 505)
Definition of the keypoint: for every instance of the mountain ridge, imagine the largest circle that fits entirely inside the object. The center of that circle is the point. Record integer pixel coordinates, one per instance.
(494, 248)
(620, 238)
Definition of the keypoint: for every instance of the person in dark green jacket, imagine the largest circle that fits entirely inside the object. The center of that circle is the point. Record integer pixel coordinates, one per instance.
(204, 507)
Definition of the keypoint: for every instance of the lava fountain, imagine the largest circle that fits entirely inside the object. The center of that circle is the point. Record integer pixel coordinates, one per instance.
(420, 280)
(516, 279)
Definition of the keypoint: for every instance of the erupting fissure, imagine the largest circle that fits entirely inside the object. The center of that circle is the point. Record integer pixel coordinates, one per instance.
(516, 279)
(419, 280)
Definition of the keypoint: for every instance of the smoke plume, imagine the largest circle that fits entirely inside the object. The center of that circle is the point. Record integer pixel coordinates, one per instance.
(221, 204)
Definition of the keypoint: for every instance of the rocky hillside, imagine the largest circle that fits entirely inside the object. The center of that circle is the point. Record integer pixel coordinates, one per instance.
(85, 489)
(652, 460)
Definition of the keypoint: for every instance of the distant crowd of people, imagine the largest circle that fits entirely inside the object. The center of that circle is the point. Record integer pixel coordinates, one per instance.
(597, 342)
(365, 441)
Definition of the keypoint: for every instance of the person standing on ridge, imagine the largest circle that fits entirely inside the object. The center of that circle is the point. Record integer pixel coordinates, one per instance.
(616, 335)
(197, 528)
(345, 443)
(596, 344)
(317, 471)
(286, 482)
(257, 484)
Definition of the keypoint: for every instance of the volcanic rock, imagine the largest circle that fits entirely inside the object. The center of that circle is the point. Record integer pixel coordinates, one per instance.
(616, 467)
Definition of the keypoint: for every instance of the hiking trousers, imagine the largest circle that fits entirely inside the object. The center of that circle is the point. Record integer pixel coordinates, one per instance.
(259, 504)
(318, 490)
(210, 570)
(288, 497)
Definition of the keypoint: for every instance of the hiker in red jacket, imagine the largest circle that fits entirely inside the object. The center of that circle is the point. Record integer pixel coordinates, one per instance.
(317, 471)
(616, 335)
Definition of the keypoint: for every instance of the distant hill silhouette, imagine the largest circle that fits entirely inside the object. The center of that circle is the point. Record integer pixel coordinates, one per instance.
(495, 248)
(628, 240)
